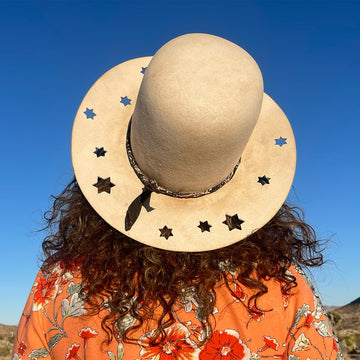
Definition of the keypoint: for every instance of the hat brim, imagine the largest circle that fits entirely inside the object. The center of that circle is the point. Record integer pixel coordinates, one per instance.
(254, 203)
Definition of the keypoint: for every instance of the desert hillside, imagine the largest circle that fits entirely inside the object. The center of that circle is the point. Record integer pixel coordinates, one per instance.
(346, 321)
(7, 335)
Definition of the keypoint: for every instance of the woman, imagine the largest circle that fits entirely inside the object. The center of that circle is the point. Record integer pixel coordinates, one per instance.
(173, 241)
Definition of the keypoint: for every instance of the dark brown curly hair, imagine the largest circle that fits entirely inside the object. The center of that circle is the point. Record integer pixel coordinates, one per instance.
(136, 278)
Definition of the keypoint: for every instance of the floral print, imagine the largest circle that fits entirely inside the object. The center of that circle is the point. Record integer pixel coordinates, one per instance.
(177, 345)
(188, 298)
(255, 313)
(269, 344)
(72, 352)
(238, 293)
(44, 292)
(284, 324)
(22, 348)
(301, 343)
(225, 345)
(285, 294)
(87, 334)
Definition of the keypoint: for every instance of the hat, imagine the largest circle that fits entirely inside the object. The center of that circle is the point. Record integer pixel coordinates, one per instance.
(184, 151)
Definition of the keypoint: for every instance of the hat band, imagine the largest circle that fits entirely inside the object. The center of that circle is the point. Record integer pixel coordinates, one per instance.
(152, 185)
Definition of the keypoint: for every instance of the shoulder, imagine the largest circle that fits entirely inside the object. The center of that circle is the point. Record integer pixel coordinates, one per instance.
(53, 280)
(304, 295)
(55, 304)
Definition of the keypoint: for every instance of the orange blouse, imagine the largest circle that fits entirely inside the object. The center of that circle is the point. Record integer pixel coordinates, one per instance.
(292, 325)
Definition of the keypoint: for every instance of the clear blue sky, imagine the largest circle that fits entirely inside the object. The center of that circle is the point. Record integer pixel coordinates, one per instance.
(52, 52)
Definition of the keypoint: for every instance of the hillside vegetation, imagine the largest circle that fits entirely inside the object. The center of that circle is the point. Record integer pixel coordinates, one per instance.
(7, 336)
(346, 321)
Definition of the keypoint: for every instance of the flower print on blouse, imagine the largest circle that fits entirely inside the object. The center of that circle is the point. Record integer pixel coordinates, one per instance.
(286, 325)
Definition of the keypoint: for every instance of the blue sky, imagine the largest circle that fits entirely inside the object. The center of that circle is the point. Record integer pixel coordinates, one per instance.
(52, 52)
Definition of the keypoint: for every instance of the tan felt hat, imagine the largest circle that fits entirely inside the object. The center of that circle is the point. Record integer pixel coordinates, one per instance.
(183, 150)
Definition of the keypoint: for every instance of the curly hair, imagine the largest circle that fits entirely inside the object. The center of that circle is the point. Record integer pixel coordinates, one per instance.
(134, 278)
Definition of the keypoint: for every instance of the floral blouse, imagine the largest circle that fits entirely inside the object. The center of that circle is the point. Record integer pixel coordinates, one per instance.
(291, 325)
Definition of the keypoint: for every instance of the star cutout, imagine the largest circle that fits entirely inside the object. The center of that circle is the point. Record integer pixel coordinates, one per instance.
(143, 69)
(280, 141)
(263, 180)
(166, 232)
(233, 222)
(100, 152)
(89, 113)
(125, 101)
(204, 226)
(104, 185)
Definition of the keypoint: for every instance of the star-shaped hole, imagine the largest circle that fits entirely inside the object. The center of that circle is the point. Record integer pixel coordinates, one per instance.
(89, 113)
(143, 69)
(166, 232)
(263, 180)
(104, 185)
(280, 141)
(204, 226)
(100, 152)
(125, 100)
(233, 222)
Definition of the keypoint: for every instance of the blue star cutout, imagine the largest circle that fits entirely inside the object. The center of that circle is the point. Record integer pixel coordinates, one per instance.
(263, 180)
(143, 70)
(100, 152)
(89, 113)
(280, 141)
(125, 100)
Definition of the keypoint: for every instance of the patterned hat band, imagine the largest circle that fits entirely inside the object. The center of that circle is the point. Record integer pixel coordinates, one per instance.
(152, 185)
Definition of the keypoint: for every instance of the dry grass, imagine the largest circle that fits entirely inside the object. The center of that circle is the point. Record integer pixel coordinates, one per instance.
(7, 336)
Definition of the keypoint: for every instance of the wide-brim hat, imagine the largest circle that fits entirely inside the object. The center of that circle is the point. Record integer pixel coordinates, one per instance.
(183, 150)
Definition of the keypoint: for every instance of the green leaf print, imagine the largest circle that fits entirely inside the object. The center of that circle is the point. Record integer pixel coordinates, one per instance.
(111, 355)
(38, 353)
(74, 308)
(74, 289)
(322, 328)
(293, 357)
(120, 351)
(299, 314)
(54, 340)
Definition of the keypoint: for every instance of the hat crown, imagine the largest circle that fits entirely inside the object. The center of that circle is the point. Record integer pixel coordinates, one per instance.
(197, 106)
